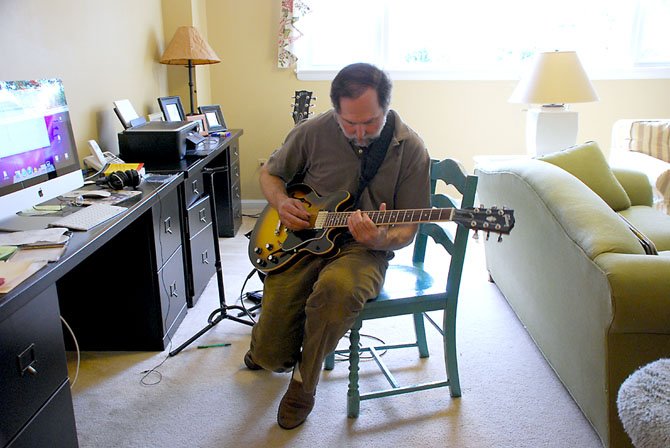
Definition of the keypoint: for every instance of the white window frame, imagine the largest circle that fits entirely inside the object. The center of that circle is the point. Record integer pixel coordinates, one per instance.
(639, 70)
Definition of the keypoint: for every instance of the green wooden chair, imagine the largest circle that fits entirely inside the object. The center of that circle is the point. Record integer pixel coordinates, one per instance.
(413, 290)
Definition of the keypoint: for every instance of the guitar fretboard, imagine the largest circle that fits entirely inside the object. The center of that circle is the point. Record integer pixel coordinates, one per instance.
(387, 217)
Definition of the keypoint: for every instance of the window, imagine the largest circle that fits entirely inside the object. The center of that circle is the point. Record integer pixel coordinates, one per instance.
(486, 39)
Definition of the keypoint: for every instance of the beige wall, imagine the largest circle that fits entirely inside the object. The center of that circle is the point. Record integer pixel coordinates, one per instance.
(109, 50)
(455, 118)
(103, 51)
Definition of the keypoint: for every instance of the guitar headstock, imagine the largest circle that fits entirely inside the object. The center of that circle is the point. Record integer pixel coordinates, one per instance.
(490, 220)
(302, 103)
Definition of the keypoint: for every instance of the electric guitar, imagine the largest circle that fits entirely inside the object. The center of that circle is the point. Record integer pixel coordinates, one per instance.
(302, 103)
(273, 247)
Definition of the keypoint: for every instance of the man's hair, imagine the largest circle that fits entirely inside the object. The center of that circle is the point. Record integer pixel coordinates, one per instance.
(353, 80)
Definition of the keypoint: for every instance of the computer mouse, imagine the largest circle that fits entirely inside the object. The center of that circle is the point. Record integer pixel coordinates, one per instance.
(96, 194)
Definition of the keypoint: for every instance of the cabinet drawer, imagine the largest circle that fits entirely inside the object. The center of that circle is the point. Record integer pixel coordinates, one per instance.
(203, 260)
(53, 426)
(31, 338)
(235, 172)
(199, 216)
(167, 227)
(234, 152)
(194, 187)
(172, 286)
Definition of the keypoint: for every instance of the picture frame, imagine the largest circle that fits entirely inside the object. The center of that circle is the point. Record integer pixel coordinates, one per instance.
(202, 123)
(172, 108)
(214, 118)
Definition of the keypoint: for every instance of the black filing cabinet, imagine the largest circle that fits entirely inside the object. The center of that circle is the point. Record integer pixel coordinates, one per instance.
(199, 238)
(212, 207)
(37, 404)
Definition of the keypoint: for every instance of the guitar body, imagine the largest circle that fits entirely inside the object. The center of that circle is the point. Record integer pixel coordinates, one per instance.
(273, 247)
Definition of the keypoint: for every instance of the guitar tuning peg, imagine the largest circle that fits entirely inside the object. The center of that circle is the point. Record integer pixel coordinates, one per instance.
(500, 237)
(487, 235)
(475, 235)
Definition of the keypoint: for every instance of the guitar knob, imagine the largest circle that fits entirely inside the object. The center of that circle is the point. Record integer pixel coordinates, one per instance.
(269, 246)
(258, 250)
(261, 262)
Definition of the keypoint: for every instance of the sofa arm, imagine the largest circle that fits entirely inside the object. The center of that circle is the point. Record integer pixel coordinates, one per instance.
(636, 184)
(656, 171)
(640, 289)
(527, 184)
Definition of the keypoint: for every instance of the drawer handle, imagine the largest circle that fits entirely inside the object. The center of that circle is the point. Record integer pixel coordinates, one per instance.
(204, 257)
(194, 187)
(173, 289)
(203, 215)
(167, 225)
(27, 360)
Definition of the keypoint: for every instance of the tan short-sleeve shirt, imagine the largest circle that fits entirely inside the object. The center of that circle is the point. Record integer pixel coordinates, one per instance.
(319, 150)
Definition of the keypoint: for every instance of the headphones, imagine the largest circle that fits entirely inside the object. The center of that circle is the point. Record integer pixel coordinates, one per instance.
(120, 179)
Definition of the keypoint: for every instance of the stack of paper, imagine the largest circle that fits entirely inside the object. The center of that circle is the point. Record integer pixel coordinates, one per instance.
(36, 245)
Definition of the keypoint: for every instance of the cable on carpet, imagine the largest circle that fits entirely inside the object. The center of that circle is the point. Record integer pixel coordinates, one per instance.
(154, 370)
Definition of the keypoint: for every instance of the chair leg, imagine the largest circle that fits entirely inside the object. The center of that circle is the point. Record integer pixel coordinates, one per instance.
(329, 363)
(450, 358)
(353, 394)
(420, 330)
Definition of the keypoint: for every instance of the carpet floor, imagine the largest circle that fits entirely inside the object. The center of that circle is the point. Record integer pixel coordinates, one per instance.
(207, 398)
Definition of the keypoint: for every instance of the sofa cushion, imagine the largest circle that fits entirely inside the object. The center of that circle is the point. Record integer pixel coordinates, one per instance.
(587, 163)
(651, 138)
(654, 224)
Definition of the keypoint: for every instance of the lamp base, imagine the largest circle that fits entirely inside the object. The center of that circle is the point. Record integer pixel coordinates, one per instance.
(550, 129)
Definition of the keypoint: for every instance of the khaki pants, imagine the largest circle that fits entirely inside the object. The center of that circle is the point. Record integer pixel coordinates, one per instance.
(309, 307)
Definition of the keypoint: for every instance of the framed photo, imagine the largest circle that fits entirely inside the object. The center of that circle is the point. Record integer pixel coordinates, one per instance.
(172, 108)
(214, 118)
(202, 123)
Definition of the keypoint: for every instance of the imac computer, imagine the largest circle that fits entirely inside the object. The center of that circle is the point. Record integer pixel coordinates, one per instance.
(38, 156)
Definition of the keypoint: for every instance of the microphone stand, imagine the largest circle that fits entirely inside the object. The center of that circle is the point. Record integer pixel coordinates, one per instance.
(220, 313)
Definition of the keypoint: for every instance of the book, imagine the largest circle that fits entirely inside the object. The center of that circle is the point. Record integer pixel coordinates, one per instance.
(7, 251)
(113, 167)
(14, 272)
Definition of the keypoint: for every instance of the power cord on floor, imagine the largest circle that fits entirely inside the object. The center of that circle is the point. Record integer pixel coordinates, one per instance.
(341, 357)
(154, 370)
(243, 296)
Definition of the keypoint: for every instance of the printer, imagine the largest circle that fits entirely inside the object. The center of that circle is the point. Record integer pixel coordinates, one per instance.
(158, 141)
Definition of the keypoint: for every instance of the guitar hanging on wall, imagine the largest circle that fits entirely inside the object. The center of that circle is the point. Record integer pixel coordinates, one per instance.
(273, 247)
(302, 102)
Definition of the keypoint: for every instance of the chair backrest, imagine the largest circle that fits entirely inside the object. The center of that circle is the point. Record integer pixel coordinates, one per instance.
(449, 172)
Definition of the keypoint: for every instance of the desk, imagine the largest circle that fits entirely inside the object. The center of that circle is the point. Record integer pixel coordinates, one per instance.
(120, 286)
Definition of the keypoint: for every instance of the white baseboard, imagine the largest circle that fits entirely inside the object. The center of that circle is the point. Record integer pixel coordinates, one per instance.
(253, 206)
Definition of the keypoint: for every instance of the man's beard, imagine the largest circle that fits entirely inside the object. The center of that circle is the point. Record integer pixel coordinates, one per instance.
(367, 140)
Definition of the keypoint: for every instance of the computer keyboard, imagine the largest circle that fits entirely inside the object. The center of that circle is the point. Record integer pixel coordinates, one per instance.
(88, 217)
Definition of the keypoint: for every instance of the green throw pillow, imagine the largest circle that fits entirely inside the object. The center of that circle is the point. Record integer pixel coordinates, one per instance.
(587, 163)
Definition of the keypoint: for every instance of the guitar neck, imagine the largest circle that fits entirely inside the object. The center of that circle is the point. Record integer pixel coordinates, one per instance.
(326, 219)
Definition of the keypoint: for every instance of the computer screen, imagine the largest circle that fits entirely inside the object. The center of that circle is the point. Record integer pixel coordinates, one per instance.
(38, 155)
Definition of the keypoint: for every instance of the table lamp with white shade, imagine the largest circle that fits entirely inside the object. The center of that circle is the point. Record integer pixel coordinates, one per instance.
(556, 78)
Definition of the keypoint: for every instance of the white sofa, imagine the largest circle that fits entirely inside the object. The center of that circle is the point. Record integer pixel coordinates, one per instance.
(644, 145)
